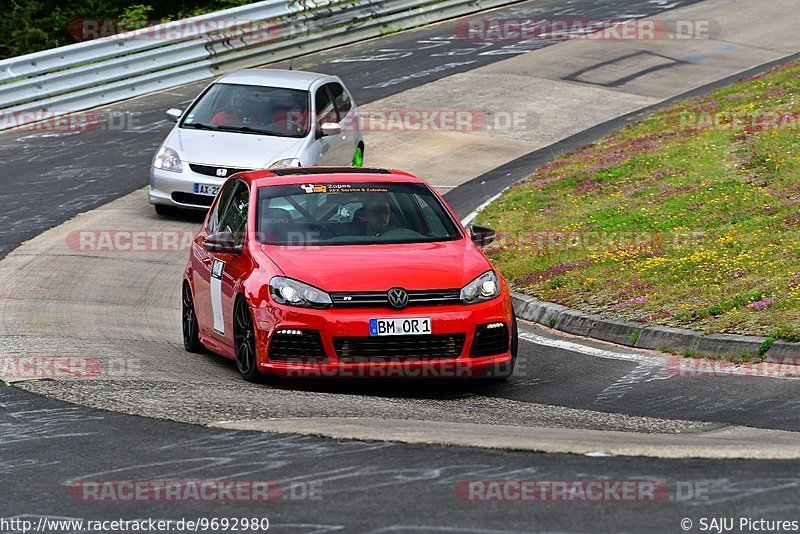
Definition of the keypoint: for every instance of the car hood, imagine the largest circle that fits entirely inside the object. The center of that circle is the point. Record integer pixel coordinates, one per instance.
(444, 265)
(229, 149)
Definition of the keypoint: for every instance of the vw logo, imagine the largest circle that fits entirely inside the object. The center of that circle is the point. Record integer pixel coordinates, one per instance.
(398, 298)
(222, 172)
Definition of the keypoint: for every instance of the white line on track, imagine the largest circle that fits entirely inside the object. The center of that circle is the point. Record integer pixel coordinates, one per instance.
(649, 367)
(591, 351)
(469, 218)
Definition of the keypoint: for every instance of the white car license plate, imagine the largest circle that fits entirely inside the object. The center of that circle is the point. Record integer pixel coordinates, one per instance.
(205, 189)
(400, 327)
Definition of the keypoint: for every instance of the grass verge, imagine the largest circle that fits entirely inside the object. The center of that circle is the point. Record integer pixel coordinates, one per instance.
(689, 218)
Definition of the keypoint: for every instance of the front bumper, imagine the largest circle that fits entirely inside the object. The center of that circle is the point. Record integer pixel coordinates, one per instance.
(353, 324)
(177, 188)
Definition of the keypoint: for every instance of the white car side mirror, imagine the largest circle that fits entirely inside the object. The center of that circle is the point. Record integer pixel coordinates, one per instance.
(174, 114)
(331, 128)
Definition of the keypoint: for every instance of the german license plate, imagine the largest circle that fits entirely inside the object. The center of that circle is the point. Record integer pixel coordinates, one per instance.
(400, 326)
(207, 190)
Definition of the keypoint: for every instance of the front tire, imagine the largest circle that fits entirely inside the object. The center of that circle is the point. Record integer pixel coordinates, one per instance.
(191, 339)
(163, 209)
(244, 340)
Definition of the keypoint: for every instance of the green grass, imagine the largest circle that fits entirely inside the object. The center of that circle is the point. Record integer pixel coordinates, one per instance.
(689, 218)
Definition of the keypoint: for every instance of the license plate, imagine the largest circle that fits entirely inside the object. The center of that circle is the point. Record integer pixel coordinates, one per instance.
(205, 189)
(400, 326)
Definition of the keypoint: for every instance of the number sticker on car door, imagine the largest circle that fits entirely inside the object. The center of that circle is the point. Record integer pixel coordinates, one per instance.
(217, 270)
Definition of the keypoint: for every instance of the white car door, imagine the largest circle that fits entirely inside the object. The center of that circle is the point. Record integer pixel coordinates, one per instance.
(334, 149)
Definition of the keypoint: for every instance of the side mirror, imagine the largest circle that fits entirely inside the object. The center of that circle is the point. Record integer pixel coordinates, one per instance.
(481, 235)
(174, 114)
(221, 242)
(331, 128)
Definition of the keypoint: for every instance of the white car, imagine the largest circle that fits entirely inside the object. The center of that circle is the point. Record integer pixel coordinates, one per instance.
(254, 119)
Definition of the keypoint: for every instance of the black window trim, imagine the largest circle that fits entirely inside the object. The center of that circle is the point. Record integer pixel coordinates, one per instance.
(328, 92)
(235, 182)
(451, 216)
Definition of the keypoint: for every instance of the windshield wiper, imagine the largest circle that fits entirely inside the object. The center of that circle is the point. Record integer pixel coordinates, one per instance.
(200, 126)
(248, 129)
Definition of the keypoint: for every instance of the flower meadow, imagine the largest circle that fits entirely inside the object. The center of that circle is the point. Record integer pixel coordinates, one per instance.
(688, 218)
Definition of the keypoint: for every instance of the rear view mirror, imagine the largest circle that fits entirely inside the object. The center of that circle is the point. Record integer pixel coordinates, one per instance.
(221, 242)
(481, 235)
(331, 128)
(174, 114)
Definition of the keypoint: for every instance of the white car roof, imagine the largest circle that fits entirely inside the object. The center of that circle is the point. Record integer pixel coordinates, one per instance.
(290, 79)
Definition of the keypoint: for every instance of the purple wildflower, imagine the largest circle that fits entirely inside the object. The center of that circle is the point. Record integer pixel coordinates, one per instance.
(761, 304)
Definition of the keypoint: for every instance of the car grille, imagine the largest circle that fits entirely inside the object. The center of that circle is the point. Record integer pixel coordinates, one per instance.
(379, 299)
(490, 341)
(376, 348)
(296, 344)
(211, 170)
(192, 199)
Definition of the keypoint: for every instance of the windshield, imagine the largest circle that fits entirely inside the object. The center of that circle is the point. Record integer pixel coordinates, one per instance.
(349, 214)
(251, 109)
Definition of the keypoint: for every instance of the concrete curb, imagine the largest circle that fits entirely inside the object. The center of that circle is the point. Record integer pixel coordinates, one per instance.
(713, 443)
(639, 335)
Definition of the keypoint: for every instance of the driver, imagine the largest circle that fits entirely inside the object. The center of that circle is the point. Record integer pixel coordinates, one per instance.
(377, 214)
(236, 112)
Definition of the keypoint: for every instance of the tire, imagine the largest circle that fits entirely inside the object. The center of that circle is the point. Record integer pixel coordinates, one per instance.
(244, 341)
(191, 339)
(163, 209)
(358, 156)
(501, 374)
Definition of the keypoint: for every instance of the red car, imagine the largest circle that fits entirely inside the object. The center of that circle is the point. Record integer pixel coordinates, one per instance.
(345, 272)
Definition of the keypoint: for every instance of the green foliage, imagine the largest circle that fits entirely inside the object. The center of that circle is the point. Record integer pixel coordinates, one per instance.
(28, 26)
(688, 218)
(135, 16)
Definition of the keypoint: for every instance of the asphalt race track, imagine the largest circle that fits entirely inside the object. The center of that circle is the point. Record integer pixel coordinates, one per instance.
(66, 173)
(717, 446)
(365, 487)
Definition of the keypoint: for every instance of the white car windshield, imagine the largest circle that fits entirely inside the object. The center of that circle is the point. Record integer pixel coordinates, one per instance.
(352, 213)
(251, 109)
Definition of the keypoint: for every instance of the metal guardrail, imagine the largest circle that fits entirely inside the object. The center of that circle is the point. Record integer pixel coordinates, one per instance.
(85, 75)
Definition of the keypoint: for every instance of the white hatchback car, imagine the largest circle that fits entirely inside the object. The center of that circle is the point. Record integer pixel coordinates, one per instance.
(254, 119)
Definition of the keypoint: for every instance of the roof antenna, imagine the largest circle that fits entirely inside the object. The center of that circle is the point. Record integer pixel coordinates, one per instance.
(290, 63)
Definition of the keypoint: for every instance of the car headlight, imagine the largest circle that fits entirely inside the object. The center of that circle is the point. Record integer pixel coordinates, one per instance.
(168, 160)
(283, 163)
(483, 288)
(295, 293)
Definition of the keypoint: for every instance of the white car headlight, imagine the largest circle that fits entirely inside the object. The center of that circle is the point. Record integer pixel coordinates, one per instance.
(287, 162)
(483, 288)
(168, 160)
(295, 293)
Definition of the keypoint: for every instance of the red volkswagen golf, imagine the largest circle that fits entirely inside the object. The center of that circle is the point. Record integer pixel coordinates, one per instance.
(345, 272)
